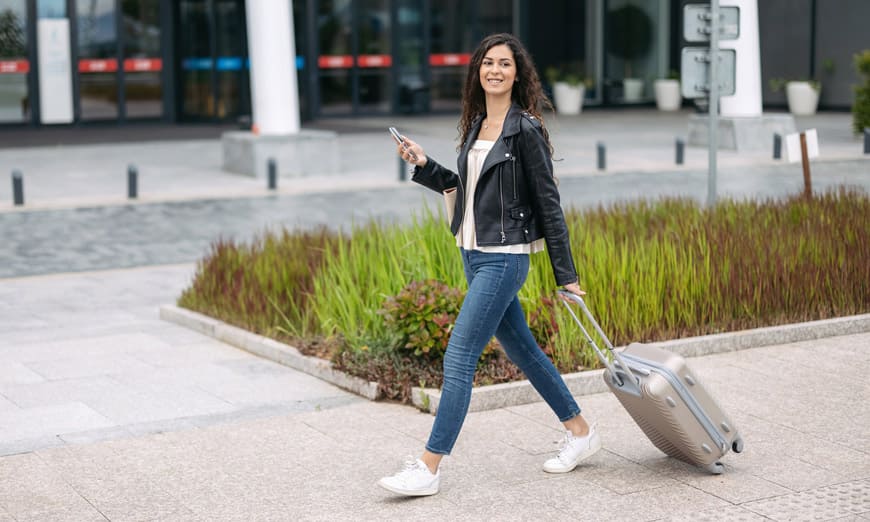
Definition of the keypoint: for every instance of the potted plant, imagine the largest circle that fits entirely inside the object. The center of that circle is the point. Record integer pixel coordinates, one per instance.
(569, 88)
(861, 108)
(629, 38)
(668, 96)
(802, 95)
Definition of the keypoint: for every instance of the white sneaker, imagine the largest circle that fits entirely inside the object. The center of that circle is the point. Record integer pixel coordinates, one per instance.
(415, 480)
(574, 450)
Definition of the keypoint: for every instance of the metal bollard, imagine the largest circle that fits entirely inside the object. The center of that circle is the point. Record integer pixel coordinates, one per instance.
(866, 140)
(132, 182)
(681, 147)
(272, 167)
(602, 156)
(17, 187)
(777, 146)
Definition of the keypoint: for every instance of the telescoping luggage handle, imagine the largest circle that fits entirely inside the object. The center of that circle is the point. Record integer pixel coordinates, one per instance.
(617, 375)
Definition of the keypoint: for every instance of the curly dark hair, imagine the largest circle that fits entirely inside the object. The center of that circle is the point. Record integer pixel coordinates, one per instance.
(527, 90)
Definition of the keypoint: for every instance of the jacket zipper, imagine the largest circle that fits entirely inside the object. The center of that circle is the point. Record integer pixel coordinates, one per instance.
(501, 205)
(514, 173)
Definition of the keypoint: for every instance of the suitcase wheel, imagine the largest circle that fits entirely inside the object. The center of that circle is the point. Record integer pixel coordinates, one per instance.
(737, 445)
(716, 468)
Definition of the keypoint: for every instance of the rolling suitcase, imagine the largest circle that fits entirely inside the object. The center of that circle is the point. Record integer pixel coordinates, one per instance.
(665, 399)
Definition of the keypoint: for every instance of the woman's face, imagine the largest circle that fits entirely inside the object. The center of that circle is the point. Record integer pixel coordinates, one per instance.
(498, 71)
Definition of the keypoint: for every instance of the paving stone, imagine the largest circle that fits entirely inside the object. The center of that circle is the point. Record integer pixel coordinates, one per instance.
(825, 503)
(50, 420)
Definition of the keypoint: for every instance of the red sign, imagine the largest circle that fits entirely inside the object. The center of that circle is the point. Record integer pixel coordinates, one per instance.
(98, 66)
(340, 61)
(374, 60)
(143, 64)
(14, 66)
(448, 60)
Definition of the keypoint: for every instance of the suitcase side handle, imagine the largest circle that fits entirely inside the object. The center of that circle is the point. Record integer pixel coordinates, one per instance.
(617, 375)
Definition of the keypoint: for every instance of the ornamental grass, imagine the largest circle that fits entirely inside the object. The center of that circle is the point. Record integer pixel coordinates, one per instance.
(653, 270)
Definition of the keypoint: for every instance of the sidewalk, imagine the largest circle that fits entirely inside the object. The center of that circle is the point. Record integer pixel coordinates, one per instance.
(108, 413)
(129, 418)
(637, 141)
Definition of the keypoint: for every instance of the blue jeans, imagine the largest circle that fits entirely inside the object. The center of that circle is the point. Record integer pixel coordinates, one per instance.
(491, 307)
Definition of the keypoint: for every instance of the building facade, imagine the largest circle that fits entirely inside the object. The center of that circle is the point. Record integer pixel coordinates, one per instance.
(126, 61)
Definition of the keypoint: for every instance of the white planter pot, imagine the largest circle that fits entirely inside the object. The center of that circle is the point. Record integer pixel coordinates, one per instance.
(668, 96)
(632, 89)
(568, 98)
(802, 98)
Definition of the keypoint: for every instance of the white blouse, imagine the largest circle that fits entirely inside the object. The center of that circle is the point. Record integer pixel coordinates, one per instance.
(466, 237)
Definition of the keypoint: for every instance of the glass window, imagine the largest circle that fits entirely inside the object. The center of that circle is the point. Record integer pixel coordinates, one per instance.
(632, 44)
(51, 8)
(98, 59)
(14, 66)
(451, 45)
(143, 66)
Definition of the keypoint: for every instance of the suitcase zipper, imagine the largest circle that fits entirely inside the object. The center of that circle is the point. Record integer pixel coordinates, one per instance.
(687, 397)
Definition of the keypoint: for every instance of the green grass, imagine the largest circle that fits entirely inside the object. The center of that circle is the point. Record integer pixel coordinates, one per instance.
(653, 271)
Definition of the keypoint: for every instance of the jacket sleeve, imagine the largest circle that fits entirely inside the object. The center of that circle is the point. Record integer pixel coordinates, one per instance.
(435, 177)
(536, 162)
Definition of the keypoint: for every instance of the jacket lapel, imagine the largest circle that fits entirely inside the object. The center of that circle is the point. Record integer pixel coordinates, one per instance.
(501, 150)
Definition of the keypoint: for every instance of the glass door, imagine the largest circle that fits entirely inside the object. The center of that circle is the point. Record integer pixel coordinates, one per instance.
(14, 63)
(355, 56)
(97, 53)
(119, 65)
(212, 60)
(451, 43)
(142, 62)
(412, 83)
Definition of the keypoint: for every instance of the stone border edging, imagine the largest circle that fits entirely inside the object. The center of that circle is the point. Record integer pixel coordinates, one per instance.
(513, 393)
(268, 349)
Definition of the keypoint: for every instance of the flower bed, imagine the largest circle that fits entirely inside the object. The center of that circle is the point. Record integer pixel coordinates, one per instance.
(378, 300)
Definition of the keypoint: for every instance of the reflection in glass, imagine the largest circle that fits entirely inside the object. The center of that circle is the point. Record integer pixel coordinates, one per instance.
(374, 40)
(196, 61)
(143, 91)
(450, 34)
(231, 55)
(51, 8)
(14, 102)
(631, 29)
(97, 40)
(334, 18)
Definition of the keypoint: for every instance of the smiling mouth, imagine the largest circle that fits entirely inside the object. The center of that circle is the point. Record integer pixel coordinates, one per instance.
(495, 80)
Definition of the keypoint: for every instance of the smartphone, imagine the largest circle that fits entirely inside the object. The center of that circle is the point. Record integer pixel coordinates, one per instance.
(401, 141)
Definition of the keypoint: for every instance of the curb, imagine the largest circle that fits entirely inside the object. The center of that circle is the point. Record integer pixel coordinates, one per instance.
(513, 393)
(268, 349)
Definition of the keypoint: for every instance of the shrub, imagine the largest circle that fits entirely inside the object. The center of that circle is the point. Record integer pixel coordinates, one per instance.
(422, 316)
(861, 109)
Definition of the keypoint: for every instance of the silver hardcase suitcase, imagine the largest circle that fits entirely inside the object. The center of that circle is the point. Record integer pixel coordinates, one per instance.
(665, 399)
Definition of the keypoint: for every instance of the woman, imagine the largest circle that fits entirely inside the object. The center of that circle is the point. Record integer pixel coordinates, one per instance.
(507, 206)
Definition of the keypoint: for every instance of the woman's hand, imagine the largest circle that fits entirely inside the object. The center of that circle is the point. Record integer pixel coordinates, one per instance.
(574, 288)
(410, 146)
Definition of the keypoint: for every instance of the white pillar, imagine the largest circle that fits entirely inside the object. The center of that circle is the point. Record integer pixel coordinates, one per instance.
(271, 47)
(746, 101)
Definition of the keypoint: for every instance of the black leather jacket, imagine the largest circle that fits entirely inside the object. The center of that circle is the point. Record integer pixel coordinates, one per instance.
(516, 200)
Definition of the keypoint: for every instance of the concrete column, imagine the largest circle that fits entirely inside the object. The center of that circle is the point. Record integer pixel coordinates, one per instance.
(272, 49)
(746, 101)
